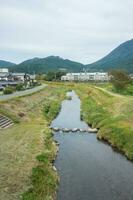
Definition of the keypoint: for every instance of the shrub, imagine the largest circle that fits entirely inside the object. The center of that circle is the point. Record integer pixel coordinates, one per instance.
(126, 91)
(51, 109)
(19, 87)
(8, 90)
(43, 158)
(120, 79)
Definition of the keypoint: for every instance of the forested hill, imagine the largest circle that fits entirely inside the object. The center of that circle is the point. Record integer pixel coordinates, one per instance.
(6, 64)
(119, 58)
(51, 63)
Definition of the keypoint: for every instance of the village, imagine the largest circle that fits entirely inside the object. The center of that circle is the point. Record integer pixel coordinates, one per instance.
(22, 80)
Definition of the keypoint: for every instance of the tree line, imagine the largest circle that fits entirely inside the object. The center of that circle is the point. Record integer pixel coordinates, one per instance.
(50, 76)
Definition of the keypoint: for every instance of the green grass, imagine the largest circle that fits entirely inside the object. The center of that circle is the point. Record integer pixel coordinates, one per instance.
(110, 115)
(51, 108)
(27, 149)
(44, 180)
(126, 91)
(9, 114)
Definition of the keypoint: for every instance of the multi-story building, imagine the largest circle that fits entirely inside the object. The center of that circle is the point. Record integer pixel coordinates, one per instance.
(94, 76)
(3, 70)
(4, 74)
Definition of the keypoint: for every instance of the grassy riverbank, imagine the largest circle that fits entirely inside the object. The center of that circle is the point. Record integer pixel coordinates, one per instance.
(27, 148)
(112, 114)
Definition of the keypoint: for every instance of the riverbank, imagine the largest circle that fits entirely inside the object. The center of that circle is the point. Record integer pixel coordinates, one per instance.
(111, 114)
(82, 152)
(27, 149)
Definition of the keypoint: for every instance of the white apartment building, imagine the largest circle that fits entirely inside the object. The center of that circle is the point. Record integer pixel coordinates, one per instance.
(94, 76)
(4, 70)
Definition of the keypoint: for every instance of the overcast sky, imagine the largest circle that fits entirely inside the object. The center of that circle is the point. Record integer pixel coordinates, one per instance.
(81, 30)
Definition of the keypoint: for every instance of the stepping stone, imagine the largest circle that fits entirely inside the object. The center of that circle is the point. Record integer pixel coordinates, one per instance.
(66, 130)
(92, 130)
(74, 129)
(56, 129)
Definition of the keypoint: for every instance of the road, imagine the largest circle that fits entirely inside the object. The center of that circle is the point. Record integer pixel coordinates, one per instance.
(21, 93)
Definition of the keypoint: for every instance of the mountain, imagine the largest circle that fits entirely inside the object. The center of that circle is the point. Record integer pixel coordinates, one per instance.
(119, 58)
(6, 64)
(51, 63)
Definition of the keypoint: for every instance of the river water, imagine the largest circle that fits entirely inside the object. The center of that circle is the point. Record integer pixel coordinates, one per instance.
(88, 168)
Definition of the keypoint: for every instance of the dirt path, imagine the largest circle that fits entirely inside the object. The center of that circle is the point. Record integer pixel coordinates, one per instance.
(115, 94)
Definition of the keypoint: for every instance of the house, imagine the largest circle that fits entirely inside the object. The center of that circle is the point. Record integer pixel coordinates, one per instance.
(1, 88)
(4, 76)
(94, 76)
(14, 79)
(18, 76)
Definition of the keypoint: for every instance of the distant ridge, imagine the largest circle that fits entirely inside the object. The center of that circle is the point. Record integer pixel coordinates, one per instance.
(6, 64)
(51, 63)
(119, 58)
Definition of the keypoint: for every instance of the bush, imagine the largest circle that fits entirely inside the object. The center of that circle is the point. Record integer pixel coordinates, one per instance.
(19, 87)
(51, 109)
(120, 79)
(54, 76)
(8, 90)
(126, 91)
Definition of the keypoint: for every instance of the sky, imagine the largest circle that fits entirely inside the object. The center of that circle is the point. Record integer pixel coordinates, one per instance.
(84, 31)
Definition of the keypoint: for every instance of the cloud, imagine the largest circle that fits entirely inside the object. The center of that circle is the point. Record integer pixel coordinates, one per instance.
(80, 30)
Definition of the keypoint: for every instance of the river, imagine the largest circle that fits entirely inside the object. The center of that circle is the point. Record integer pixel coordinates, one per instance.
(88, 169)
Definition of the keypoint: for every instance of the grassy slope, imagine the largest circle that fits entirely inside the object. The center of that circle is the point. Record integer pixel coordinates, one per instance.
(113, 114)
(27, 139)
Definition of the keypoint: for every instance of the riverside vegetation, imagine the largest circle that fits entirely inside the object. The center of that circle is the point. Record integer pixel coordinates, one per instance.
(27, 149)
(111, 113)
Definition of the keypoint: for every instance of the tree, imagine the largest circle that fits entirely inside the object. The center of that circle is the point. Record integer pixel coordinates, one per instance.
(50, 76)
(40, 77)
(19, 87)
(120, 79)
(8, 90)
(53, 76)
(59, 74)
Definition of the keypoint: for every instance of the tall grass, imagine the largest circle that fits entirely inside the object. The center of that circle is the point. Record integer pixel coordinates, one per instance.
(44, 180)
(96, 106)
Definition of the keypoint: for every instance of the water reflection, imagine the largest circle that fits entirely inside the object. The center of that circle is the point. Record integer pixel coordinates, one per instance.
(88, 168)
(69, 116)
